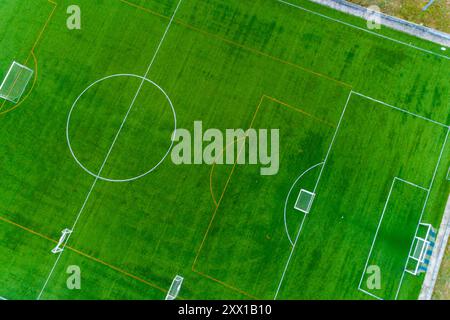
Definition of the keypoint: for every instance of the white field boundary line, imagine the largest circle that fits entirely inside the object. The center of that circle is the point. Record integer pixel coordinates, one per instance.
(423, 209)
(379, 227)
(362, 29)
(315, 189)
(1, 298)
(401, 110)
(111, 148)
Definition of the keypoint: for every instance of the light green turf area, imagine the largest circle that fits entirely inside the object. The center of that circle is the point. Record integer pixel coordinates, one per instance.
(230, 64)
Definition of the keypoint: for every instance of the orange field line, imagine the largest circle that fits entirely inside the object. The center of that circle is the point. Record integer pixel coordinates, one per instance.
(301, 111)
(217, 203)
(224, 190)
(211, 173)
(123, 272)
(226, 285)
(28, 230)
(236, 44)
(32, 54)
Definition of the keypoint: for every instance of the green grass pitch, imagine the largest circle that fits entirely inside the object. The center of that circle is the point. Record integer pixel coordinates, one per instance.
(363, 123)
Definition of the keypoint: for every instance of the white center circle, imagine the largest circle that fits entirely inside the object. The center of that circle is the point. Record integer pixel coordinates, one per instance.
(98, 175)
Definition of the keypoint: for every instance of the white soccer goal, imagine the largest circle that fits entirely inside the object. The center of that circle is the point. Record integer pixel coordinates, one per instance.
(422, 249)
(15, 82)
(175, 288)
(304, 201)
(60, 246)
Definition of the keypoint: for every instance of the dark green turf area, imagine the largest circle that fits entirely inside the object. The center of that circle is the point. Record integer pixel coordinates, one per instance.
(230, 64)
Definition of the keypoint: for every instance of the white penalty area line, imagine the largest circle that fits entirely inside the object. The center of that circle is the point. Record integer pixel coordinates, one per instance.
(428, 191)
(365, 30)
(111, 147)
(396, 178)
(315, 188)
(402, 110)
(375, 238)
(423, 211)
(412, 184)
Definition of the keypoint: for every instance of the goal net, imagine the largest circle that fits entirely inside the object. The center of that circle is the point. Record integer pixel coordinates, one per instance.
(422, 249)
(175, 288)
(304, 201)
(15, 82)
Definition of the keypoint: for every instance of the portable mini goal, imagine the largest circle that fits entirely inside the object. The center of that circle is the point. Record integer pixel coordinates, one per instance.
(304, 201)
(62, 240)
(15, 82)
(175, 288)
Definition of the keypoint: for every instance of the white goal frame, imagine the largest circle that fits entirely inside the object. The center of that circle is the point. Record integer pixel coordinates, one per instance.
(310, 203)
(61, 243)
(175, 288)
(420, 257)
(26, 79)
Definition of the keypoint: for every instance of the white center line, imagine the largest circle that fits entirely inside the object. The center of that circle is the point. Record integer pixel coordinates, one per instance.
(111, 147)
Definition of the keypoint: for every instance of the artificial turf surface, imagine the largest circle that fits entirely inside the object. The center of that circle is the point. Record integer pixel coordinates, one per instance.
(230, 64)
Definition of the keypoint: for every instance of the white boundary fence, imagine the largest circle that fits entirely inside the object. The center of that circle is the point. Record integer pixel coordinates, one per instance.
(414, 29)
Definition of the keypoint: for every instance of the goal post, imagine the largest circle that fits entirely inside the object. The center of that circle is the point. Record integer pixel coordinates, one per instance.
(15, 82)
(62, 240)
(175, 288)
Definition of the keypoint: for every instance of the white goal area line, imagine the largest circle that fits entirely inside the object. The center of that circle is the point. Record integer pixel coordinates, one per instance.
(111, 148)
(363, 29)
